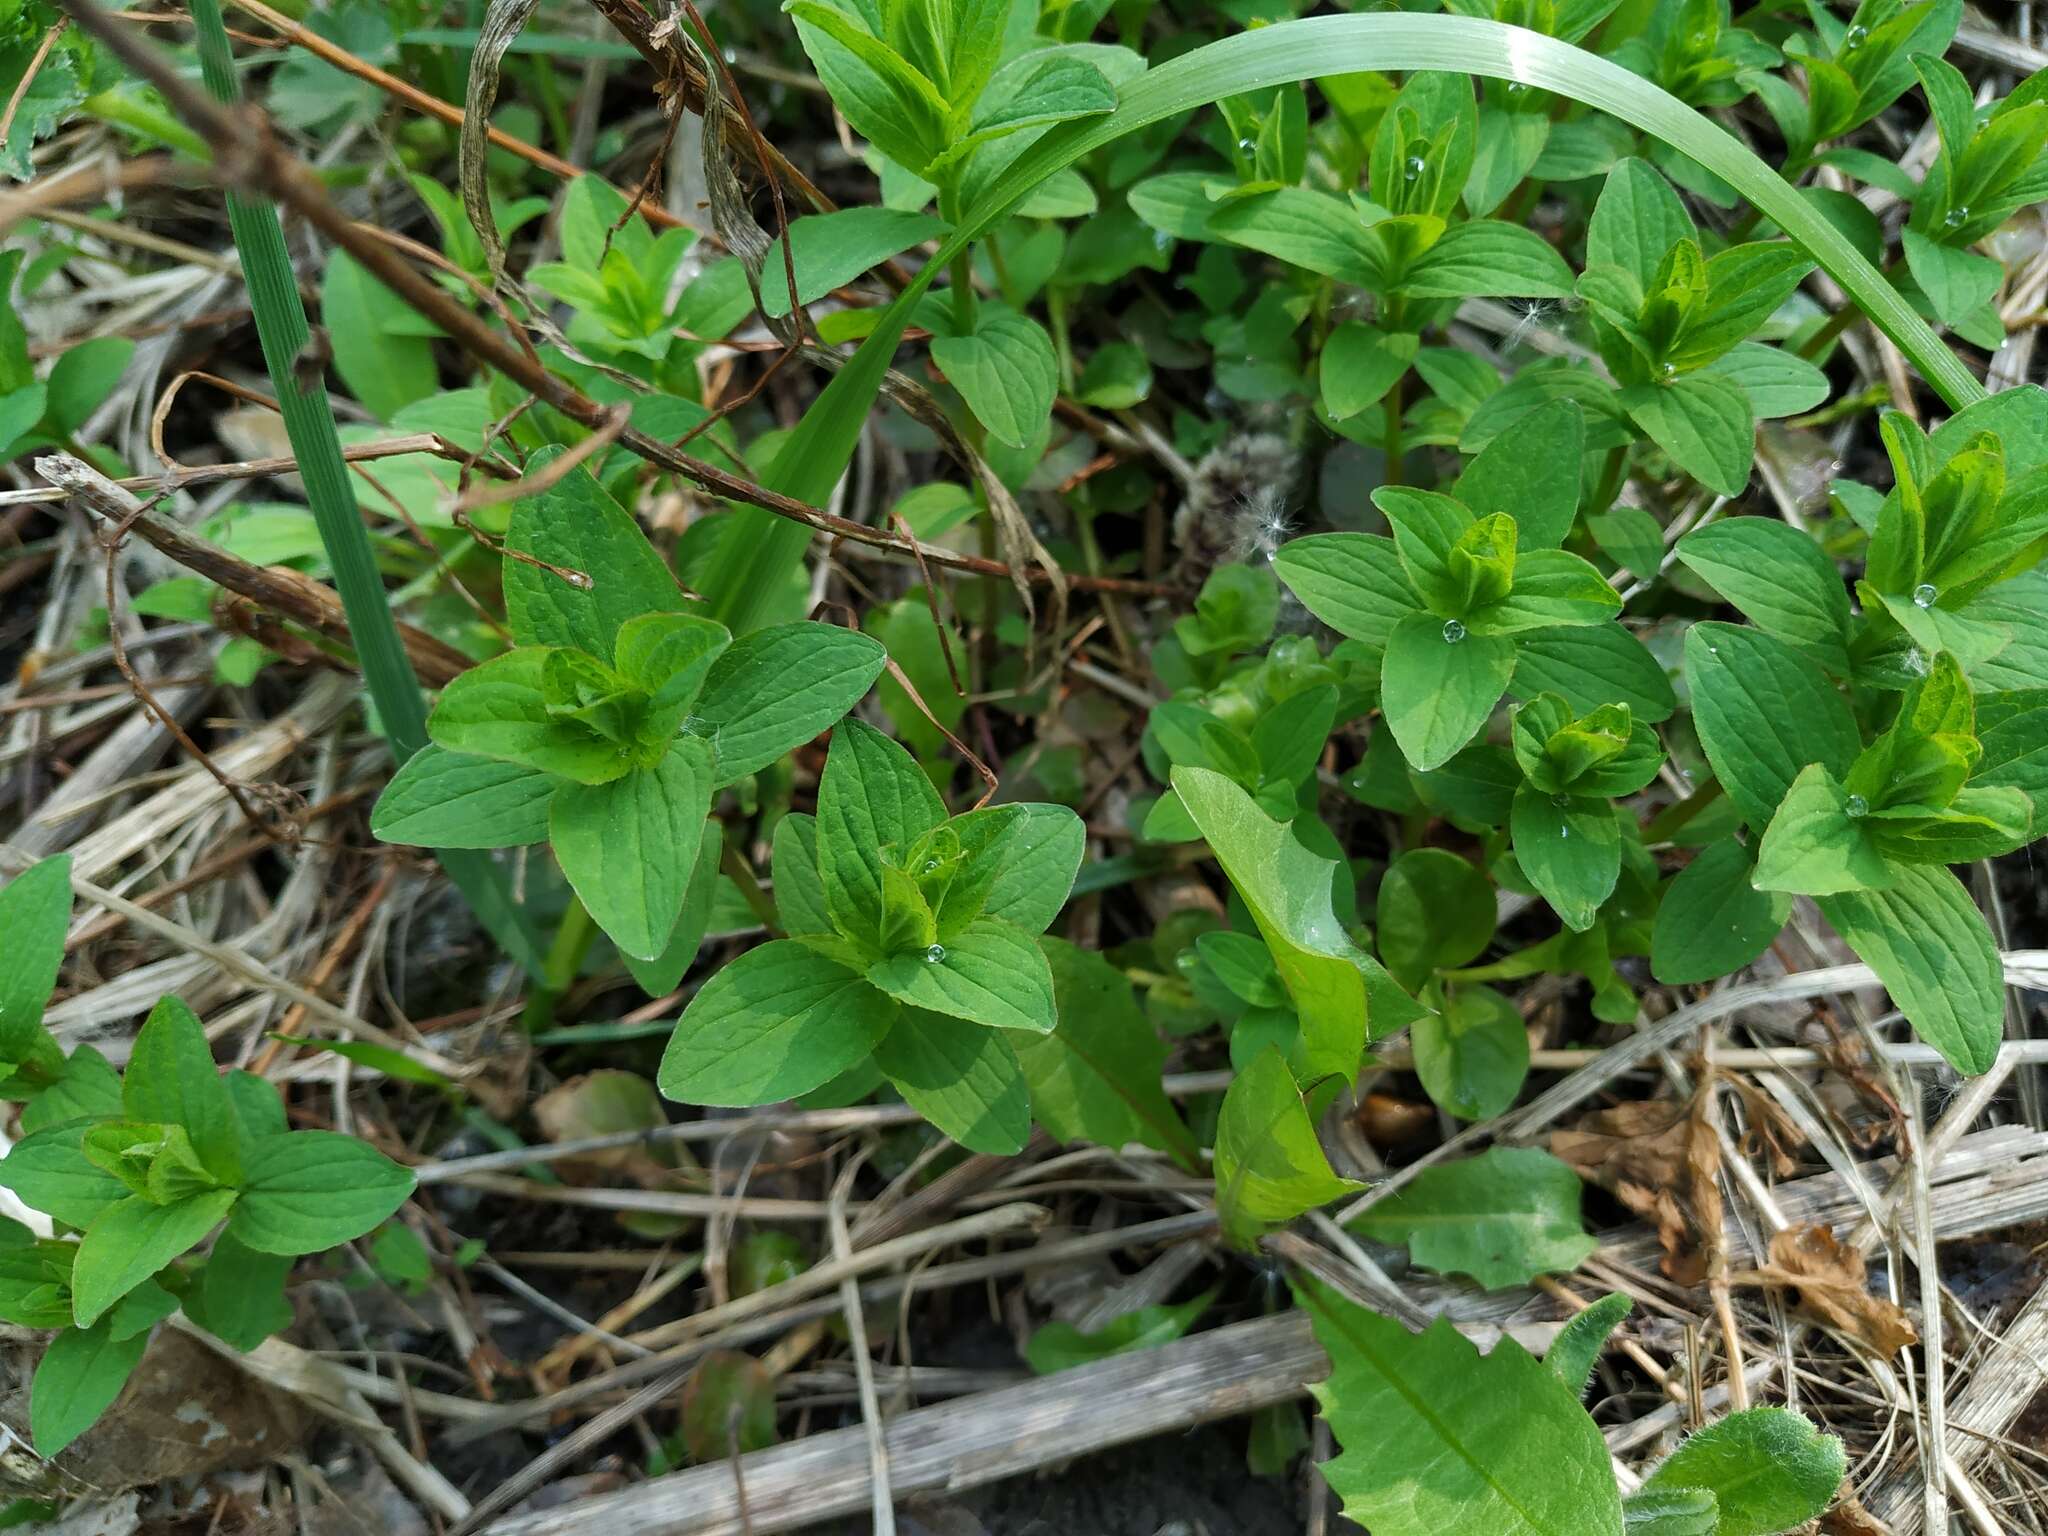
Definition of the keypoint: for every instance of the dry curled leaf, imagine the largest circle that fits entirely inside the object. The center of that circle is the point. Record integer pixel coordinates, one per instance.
(1833, 1288)
(1661, 1159)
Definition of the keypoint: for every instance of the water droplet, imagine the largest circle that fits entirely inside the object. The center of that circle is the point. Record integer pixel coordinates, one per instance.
(1453, 631)
(1415, 167)
(931, 866)
(1713, 650)
(1245, 145)
(1161, 239)
(1958, 216)
(1186, 961)
(1857, 806)
(1560, 800)
(1668, 369)
(732, 55)
(1564, 832)
(936, 953)
(1517, 88)
(1924, 595)
(1855, 38)
(1702, 42)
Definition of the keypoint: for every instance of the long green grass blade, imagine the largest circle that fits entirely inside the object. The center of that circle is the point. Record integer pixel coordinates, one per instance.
(757, 552)
(309, 423)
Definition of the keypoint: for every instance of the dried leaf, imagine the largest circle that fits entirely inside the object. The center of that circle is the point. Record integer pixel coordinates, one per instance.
(1833, 1288)
(1661, 1159)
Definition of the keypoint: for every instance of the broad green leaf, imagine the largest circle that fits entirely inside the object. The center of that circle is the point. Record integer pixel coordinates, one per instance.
(1436, 912)
(1488, 257)
(307, 1191)
(1097, 1076)
(1713, 921)
(134, 1238)
(1780, 580)
(1045, 86)
(444, 799)
(1359, 364)
(668, 655)
(1591, 665)
(991, 972)
(888, 102)
(1005, 371)
(1763, 712)
(1671, 1512)
(1575, 1352)
(383, 367)
(659, 976)
(1636, 220)
(1439, 685)
(1436, 1437)
(629, 847)
(1289, 891)
(84, 375)
(1552, 587)
(1060, 1345)
(1818, 843)
(240, 1296)
(834, 249)
(1269, 1166)
(1353, 582)
(1570, 852)
(2012, 729)
(1036, 859)
(1503, 1217)
(35, 911)
(1473, 1054)
(1531, 471)
(799, 892)
(1314, 230)
(872, 796)
(49, 1171)
(1704, 422)
(172, 1080)
(578, 530)
(1928, 944)
(965, 1079)
(1777, 383)
(777, 688)
(1769, 1469)
(76, 1381)
(778, 1021)
(500, 711)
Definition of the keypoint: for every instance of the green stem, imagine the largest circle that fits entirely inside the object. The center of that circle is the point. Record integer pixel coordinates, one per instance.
(127, 110)
(564, 963)
(282, 330)
(1612, 472)
(1391, 441)
(741, 873)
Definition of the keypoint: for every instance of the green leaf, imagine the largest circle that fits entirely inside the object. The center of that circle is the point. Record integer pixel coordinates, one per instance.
(965, 1079)
(991, 972)
(1436, 1437)
(1777, 383)
(83, 378)
(1359, 365)
(629, 847)
(1705, 422)
(1488, 257)
(1059, 1346)
(872, 796)
(49, 1171)
(1290, 893)
(1671, 1512)
(778, 1021)
(1591, 665)
(575, 526)
(1473, 1055)
(1551, 587)
(1048, 85)
(1818, 843)
(35, 911)
(240, 1296)
(1571, 852)
(1438, 691)
(1036, 858)
(500, 710)
(1636, 220)
(1312, 230)
(76, 1381)
(799, 891)
(1713, 921)
(1504, 1217)
(1353, 582)
(1531, 471)
(1956, 281)
(1436, 912)
(777, 688)
(886, 100)
(2012, 729)
(1097, 1076)
(1269, 1166)
(1005, 371)
(1769, 1470)
(172, 1080)
(834, 249)
(306, 1191)
(1780, 580)
(1928, 944)
(1763, 712)
(444, 799)
(134, 1238)
(1575, 1352)
(659, 976)
(384, 368)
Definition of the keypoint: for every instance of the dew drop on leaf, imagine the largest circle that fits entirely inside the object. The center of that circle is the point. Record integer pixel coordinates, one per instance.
(1857, 806)
(1924, 595)
(1416, 166)
(1854, 38)
(1560, 800)
(1958, 216)
(936, 953)
(1453, 631)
